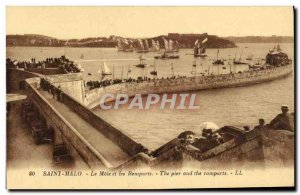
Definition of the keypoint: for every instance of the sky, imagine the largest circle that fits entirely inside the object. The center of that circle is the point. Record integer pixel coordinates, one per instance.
(139, 22)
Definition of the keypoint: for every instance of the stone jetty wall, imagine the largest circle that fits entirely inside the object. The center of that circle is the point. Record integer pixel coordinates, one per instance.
(92, 97)
(59, 124)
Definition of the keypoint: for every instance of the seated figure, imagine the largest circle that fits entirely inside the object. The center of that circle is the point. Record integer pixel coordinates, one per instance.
(283, 121)
(208, 141)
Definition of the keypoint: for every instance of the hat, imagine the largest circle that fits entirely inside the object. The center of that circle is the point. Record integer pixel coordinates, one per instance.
(208, 125)
(185, 134)
(284, 107)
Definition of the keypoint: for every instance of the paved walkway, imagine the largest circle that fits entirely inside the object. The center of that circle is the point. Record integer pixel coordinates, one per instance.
(110, 151)
(21, 150)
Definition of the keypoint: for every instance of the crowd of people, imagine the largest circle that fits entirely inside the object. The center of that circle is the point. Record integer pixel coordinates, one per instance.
(211, 138)
(107, 82)
(46, 85)
(62, 63)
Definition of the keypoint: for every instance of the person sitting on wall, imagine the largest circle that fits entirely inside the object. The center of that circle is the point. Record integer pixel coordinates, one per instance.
(186, 137)
(216, 136)
(207, 142)
(283, 121)
(261, 122)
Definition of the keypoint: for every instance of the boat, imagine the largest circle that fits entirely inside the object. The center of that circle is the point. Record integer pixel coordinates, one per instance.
(141, 64)
(80, 67)
(154, 46)
(125, 45)
(142, 47)
(89, 74)
(254, 66)
(81, 56)
(120, 45)
(250, 57)
(218, 61)
(257, 64)
(176, 46)
(164, 56)
(239, 61)
(199, 49)
(154, 71)
(168, 49)
(105, 70)
(169, 46)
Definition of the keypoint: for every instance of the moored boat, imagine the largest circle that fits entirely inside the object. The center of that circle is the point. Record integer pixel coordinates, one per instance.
(200, 48)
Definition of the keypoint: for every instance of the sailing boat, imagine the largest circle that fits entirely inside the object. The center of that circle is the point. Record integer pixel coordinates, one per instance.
(257, 64)
(120, 46)
(142, 48)
(129, 47)
(176, 46)
(239, 61)
(141, 64)
(128, 71)
(168, 49)
(154, 72)
(250, 57)
(217, 61)
(81, 56)
(105, 70)
(80, 67)
(169, 46)
(199, 49)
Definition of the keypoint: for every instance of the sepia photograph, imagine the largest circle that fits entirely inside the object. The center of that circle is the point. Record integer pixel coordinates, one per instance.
(150, 97)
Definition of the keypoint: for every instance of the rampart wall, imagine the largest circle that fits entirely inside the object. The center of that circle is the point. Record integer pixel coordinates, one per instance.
(92, 97)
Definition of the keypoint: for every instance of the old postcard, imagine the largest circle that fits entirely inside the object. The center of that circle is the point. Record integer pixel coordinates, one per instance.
(150, 97)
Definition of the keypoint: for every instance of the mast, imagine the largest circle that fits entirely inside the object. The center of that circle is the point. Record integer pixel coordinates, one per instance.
(172, 68)
(241, 54)
(113, 72)
(195, 70)
(201, 65)
(166, 45)
(128, 71)
(235, 55)
(229, 62)
(122, 73)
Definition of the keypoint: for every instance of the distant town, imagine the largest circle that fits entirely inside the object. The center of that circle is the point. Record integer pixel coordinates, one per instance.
(184, 40)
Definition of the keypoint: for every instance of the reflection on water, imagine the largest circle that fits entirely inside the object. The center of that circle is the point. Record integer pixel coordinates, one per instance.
(230, 106)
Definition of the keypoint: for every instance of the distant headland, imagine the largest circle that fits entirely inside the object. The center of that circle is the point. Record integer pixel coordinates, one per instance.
(184, 40)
